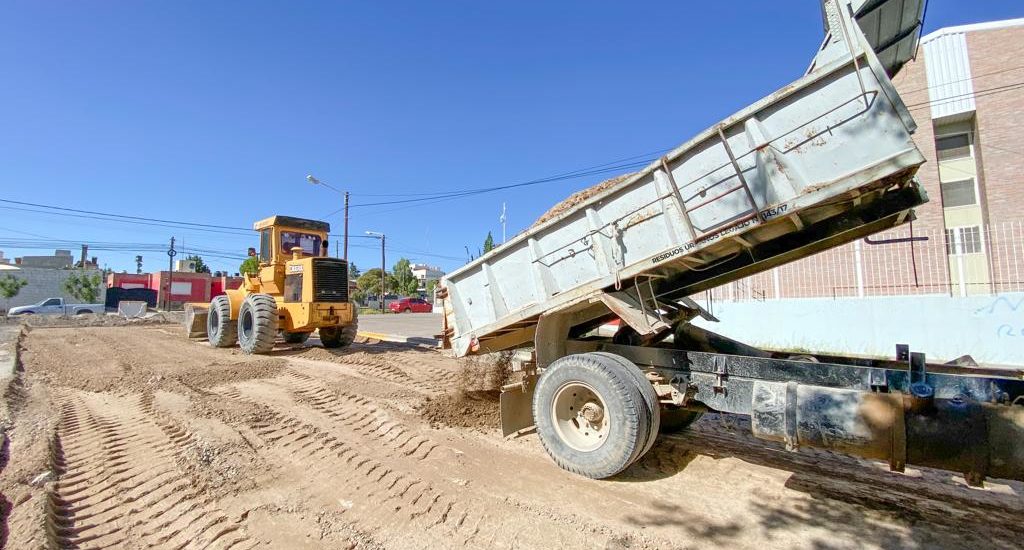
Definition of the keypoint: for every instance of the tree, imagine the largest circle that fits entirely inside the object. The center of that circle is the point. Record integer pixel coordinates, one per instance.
(10, 286)
(201, 266)
(250, 265)
(405, 281)
(369, 282)
(431, 285)
(353, 271)
(488, 243)
(83, 286)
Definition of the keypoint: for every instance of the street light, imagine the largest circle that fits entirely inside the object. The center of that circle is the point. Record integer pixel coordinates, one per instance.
(383, 274)
(312, 179)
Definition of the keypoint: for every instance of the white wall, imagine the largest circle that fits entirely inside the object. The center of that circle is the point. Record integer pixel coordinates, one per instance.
(989, 328)
(42, 284)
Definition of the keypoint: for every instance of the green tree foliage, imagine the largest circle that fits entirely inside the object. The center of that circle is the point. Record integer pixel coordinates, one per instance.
(369, 282)
(353, 271)
(431, 285)
(201, 266)
(10, 286)
(405, 282)
(488, 243)
(84, 286)
(250, 265)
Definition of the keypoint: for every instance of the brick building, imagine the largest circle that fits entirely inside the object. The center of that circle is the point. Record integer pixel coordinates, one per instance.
(965, 90)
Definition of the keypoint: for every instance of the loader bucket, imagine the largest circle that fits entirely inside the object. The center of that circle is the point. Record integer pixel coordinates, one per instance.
(195, 319)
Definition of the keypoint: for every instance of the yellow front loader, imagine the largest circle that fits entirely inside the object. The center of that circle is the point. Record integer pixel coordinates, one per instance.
(297, 290)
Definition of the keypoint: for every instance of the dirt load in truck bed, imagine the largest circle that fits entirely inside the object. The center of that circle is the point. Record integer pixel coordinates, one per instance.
(579, 197)
(131, 437)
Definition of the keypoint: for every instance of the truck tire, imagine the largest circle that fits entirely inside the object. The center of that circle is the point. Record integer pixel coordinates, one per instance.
(257, 323)
(591, 417)
(650, 399)
(340, 337)
(295, 337)
(220, 330)
(677, 419)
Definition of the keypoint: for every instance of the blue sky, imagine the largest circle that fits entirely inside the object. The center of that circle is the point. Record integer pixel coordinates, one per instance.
(215, 112)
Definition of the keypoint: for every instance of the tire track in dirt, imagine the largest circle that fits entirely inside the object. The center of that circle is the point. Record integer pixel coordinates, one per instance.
(119, 484)
(414, 374)
(384, 489)
(359, 414)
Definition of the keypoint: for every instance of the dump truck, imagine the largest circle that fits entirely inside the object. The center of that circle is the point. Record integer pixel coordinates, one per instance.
(297, 289)
(826, 160)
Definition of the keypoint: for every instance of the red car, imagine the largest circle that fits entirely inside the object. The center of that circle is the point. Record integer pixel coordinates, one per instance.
(411, 305)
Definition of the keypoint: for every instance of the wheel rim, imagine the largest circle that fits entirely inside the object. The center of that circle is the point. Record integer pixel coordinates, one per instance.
(580, 416)
(214, 327)
(247, 323)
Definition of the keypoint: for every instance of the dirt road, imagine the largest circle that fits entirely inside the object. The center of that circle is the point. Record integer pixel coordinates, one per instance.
(125, 437)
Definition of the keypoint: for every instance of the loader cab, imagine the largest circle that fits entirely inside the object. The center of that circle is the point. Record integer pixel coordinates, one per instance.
(279, 235)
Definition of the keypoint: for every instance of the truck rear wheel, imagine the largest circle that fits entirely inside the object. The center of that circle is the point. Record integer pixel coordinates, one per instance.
(295, 337)
(591, 416)
(220, 331)
(257, 323)
(650, 399)
(340, 337)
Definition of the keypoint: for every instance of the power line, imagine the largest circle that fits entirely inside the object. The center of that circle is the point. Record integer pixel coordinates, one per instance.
(123, 216)
(972, 77)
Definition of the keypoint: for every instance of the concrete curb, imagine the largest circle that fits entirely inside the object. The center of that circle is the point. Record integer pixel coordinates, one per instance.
(9, 359)
(434, 342)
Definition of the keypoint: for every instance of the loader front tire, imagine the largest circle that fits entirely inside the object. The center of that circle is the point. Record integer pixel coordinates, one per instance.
(340, 337)
(257, 323)
(591, 416)
(221, 331)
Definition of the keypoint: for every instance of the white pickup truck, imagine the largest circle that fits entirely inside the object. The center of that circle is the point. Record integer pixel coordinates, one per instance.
(56, 306)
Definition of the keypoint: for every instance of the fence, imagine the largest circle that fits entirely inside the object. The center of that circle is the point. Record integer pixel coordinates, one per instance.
(960, 261)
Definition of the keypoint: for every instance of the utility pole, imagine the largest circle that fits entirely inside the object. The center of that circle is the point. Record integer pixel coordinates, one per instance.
(315, 181)
(383, 273)
(171, 253)
(346, 227)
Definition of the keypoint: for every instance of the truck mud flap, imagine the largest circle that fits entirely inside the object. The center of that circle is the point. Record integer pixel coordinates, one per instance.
(516, 403)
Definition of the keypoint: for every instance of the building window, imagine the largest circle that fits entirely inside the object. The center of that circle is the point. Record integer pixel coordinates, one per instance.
(956, 146)
(963, 240)
(958, 193)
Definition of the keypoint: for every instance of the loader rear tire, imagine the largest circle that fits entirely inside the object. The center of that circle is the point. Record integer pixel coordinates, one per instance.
(257, 323)
(295, 337)
(591, 416)
(340, 337)
(221, 331)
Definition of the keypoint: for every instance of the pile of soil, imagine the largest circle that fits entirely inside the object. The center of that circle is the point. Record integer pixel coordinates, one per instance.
(579, 197)
(474, 403)
(475, 409)
(89, 320)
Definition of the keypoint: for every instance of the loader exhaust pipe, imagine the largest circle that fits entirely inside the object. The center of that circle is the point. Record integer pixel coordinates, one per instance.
(976, 439)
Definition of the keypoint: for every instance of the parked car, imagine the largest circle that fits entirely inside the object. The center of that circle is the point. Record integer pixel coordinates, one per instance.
(411, 305)
(373, 302)
(56, 306)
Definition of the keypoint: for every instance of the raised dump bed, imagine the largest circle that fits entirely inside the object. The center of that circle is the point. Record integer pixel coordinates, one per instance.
(820, 162)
